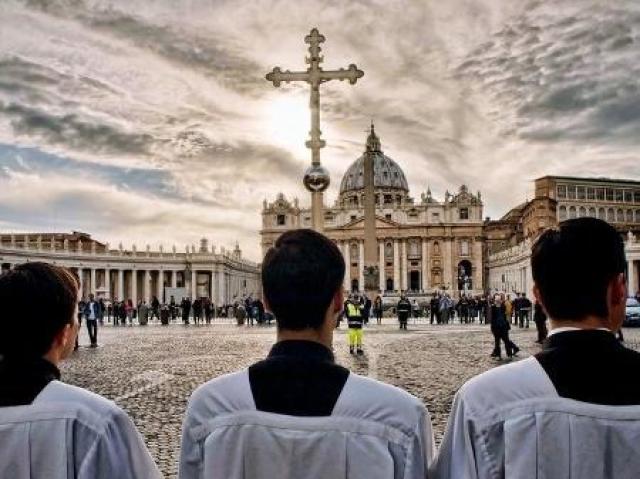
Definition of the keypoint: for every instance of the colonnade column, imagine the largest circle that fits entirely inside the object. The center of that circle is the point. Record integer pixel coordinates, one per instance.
(194, 280)
(425, 266)
(396, 265)
(212, 286)
(174, 279)
(93, 281)
(147, 286)
(631, 278)
(81, 282)
(448, 268)
(160, 285)
(107, 281)
(361, 265)
(381, 265)
(121, 293)
(134, 287)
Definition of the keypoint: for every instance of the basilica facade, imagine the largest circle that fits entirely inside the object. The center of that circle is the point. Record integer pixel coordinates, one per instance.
(424, 245)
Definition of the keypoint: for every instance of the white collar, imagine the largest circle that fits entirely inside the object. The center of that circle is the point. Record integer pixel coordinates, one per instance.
(573, 328)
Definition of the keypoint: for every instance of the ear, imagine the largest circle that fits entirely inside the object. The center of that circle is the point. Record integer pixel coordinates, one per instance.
(618, 290)
(265, 303)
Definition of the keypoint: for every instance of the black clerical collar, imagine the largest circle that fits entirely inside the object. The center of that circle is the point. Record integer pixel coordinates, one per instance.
(301, 349)
(576, 337)
(22, 379)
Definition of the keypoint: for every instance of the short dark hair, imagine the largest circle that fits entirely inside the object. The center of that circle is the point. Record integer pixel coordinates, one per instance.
(573, 264)
(37, 300)
(300, 276)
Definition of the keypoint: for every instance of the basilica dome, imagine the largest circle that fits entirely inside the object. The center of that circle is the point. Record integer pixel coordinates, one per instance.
(386, 172)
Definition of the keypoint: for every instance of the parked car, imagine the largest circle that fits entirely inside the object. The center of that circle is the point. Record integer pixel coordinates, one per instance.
(632, 317)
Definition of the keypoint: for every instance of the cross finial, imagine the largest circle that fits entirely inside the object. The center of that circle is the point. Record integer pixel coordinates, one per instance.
(314, 39)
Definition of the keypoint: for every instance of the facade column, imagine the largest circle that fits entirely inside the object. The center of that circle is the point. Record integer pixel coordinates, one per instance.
(403, 264)
(93, 281)
(212, 286)
(121, 292)
(194, 284)
(347, 261)
(221, 300)
(134, 287)
(396, 265)
(448, 268)
(174, 279)
(147, 286)
(425, 266)
(631, 278)
(381, 265)
(361, 265)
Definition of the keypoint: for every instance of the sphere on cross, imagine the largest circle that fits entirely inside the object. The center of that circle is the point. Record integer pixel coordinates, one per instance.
(316, 179)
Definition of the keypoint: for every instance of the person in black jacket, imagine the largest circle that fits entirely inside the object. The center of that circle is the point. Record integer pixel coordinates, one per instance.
(500, 329)
(404, 310)
(185, 305)
(540, 318)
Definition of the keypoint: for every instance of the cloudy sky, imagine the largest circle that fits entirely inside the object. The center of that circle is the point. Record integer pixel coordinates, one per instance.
(150, 121)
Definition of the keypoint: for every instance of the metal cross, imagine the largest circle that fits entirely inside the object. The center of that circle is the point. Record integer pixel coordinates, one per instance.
(315, 75)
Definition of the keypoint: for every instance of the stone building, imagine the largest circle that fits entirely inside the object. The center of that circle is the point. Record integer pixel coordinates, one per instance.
(119, 274)
(558, 198)
(423, 245)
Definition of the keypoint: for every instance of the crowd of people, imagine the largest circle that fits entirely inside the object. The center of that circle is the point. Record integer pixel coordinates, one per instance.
(299, 414)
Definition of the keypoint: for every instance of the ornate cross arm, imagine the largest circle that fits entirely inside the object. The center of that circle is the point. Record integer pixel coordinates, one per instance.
(277, 76)
(352, 74)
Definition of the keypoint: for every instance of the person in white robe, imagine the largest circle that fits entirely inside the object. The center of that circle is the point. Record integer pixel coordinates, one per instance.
(297, 414)
(48, 429)
(573, 409)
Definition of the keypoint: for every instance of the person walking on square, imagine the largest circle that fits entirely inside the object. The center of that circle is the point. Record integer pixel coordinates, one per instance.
(403, 309)
(354, 325)
(185, 305)
(435, 308)
(525, 310)
(297, 414)
(365, 308)
(500, 330)
(79, 314)
(508, 308)
(197, 310)
(540, 320)
(155, 307)
(91, 315)
(50, 429)
(377, 309)
(128, 311)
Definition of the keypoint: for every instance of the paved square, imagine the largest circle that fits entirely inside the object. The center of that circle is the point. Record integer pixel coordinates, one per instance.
(151, 371)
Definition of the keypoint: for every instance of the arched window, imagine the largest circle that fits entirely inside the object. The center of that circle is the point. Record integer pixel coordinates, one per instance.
(620, 215)
(562, 213)
(611, 216)
(629, 216)
(388, 251)
(582, 212)
(637, 216)
(602, 214)
(592, 212)
(436, 248)
(572, 212)
(355, 254)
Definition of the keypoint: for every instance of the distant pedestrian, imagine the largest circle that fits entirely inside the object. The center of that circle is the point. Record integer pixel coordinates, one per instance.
(377, 309)
(197, 310)
(240, 314)
(540, 319)
(403, 309)
(91, 315)
(185, 305)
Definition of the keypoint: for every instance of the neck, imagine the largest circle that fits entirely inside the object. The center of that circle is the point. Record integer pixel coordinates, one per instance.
(317, 336)
(53, 356)
(590, 322)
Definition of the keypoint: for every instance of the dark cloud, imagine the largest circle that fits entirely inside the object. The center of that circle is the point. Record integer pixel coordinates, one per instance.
(74, 132)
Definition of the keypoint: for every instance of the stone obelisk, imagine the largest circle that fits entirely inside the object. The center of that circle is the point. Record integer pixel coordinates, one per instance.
(316, 178)
(371, 261)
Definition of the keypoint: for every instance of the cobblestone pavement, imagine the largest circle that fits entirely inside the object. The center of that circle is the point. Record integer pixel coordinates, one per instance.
(151, 371)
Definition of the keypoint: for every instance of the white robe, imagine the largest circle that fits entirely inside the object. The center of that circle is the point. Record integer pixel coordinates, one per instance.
(69, 432)
(376, 431)
(510, 422)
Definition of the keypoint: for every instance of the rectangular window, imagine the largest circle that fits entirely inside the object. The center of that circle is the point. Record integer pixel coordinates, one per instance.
(628, 196)
(619, 196)
(572, 192)
(353, 217)
(435, 216)
(609, 194)
(600, 194)
(388, 199)
(464, 213)
(562, 191)
(636, 196)
(281, 220)
(581, 193)
(591, 194)
(388, 216)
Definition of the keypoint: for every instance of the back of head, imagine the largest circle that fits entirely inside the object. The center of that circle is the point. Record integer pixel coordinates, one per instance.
(573, 266)
(38, 300)
(300, 275)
